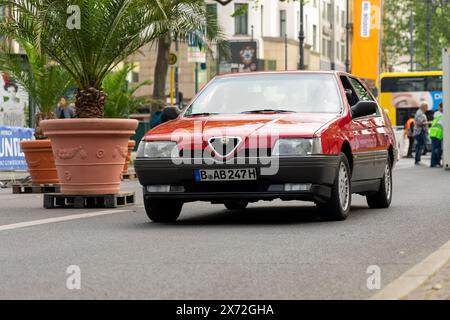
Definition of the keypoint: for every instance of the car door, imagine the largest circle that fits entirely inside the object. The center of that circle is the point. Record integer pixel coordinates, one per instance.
(363, 139)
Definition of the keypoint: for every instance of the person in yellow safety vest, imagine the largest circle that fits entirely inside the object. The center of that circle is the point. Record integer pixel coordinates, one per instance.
(437, 135)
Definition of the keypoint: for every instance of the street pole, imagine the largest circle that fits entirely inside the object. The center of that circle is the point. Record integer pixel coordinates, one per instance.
(428, 34)
(446, 104)
(172, 85)
(347, 37)
(196, 77)
(301, 38)
(177, 87)
(333, 38)
(411, 39)
(285, 51)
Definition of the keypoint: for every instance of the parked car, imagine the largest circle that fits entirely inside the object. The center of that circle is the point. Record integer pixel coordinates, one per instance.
(301, 135)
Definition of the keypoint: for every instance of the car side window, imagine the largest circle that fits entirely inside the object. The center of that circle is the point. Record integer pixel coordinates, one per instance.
(362, 93)
(351, 95)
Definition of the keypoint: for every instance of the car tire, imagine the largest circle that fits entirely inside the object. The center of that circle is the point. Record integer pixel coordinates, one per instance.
(337, 208)
(383, 198)
(236, 204)
(163, 211)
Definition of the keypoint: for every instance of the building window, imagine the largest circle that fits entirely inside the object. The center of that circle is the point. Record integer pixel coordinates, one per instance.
(330, 48)
(330, 12)
(133, 76)
(343, 52)
(306, 26)
(282, 23)
(337, 15)
(338, 51)
(324, 46)
(211, 10)
(314, 38)
(262, 21)
(241, 21)
(343, 19)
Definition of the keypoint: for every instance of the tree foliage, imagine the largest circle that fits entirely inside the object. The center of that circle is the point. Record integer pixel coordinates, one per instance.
(109, 31)
(44, 80)
(396, 31)
(121, 102)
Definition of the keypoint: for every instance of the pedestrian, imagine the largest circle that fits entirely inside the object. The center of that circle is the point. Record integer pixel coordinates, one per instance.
(437, 135)
(155, 117)
(420, 131)
(409, 133)
(64, 111)
(439, 111)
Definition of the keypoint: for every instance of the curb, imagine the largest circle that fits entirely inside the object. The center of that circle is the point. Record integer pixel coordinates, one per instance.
(415, 276)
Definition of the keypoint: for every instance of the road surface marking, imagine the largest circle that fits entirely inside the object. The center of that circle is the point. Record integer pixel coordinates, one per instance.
(415, 276)
(59, 219)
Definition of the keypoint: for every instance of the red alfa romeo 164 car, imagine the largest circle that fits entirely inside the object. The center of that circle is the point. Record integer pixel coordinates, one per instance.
(313, 136)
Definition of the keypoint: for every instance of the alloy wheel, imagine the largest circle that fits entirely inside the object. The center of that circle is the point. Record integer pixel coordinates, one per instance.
(344, 186)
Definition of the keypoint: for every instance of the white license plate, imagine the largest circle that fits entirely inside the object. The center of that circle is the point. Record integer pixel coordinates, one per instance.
(225, 174)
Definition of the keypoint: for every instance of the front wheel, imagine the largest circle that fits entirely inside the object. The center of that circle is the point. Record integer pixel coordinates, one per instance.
(383, 198)
(338, 206)
(163, 210)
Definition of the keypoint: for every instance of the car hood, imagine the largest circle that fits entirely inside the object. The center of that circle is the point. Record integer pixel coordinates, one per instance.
(242, 126)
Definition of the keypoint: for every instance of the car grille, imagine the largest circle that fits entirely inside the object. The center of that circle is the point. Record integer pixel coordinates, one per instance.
(243, 153)
(224, 146)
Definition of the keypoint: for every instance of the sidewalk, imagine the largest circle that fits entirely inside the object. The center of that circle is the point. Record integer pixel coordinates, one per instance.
(11, 176)
(437, 287)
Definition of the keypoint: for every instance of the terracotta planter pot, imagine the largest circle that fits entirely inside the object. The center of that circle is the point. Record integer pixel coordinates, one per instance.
(39, 157)
(131, 144)
(89, 153)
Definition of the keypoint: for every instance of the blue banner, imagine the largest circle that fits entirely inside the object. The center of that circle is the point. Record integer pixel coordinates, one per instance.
(11, 156)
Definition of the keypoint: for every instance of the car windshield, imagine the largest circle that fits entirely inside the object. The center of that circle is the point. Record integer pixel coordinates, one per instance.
(300, 93)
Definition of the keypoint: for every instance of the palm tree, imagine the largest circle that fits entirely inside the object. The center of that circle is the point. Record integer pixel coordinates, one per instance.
(94, 38)
(44, 80)
(121, 101)
(193, 11)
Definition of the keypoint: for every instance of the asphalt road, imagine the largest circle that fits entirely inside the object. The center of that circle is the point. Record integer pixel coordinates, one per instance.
(273, 250)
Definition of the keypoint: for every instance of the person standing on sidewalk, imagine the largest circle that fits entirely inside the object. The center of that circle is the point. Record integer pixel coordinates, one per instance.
(420, 130)
(64, 111)
(437, 135)
(409, 133)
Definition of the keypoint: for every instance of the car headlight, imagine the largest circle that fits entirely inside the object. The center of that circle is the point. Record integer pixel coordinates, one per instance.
(157, 149)
(297, 147)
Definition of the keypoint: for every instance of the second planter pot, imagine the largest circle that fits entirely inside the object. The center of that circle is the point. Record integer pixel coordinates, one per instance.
(131, 145)
(39, 157)
(89, 153)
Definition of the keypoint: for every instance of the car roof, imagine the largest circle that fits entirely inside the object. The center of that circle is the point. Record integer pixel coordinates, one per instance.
(255, 73)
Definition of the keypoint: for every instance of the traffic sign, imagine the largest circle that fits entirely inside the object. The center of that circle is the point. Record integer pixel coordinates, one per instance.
(172, 59)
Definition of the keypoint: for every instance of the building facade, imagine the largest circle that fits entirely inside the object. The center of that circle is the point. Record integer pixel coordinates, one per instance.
(273, 27)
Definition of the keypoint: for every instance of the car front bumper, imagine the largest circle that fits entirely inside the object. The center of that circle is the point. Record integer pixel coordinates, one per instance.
(315, 173)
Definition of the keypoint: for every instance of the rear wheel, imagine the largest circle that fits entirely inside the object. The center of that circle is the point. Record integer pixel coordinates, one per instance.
(163, 210)
(338, 206)
(383, 198)
(236, 204)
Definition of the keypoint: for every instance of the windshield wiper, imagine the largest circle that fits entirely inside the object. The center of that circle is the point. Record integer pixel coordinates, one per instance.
(269, 110)
(200, 114)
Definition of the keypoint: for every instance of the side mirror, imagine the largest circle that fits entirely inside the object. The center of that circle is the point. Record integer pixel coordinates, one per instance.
(364, 108)
(169, 113)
